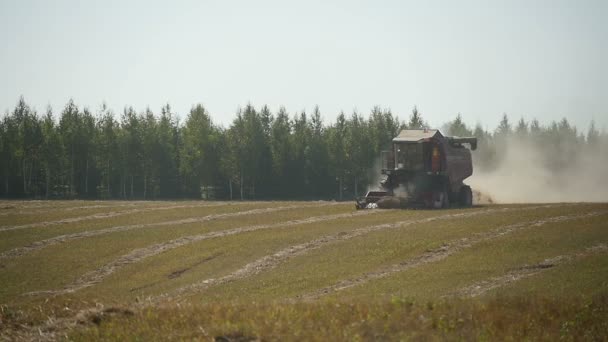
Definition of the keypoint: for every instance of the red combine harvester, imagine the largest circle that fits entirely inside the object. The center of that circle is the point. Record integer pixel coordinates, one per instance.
(423, 169)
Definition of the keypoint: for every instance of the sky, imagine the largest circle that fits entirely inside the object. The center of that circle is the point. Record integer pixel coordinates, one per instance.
(531, 59)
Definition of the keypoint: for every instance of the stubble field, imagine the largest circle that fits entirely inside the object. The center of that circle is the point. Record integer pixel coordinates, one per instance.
(183, 270)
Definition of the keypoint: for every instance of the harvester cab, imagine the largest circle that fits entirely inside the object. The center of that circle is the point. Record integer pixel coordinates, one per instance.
(423, 169)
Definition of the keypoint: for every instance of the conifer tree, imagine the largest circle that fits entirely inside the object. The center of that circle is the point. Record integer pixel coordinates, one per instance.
(416, 121)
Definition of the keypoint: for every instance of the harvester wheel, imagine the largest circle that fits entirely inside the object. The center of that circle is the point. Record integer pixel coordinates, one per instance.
(466, 196)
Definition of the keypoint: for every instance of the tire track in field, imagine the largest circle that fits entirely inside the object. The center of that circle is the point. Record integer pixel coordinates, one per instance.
(108, 215)
(20, 251)
(137, 255)
(25, 204)
(525, 271)
(442, 252)
(48, 204)
(273, 260)
(111, 214)
(46, 209)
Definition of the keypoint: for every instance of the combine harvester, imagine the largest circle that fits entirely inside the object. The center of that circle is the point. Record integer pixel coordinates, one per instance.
(424, 169)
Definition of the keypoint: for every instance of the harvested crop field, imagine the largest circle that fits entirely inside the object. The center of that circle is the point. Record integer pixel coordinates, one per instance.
(83, 270)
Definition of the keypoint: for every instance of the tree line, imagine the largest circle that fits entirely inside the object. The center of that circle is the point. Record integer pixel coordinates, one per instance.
(261, 155)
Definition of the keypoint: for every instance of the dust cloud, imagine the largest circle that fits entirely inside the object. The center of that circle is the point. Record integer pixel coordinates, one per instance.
(525, 172)
(375, 176)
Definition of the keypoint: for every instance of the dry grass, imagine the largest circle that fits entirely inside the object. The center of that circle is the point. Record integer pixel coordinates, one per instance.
(179, 275)
(497, 319)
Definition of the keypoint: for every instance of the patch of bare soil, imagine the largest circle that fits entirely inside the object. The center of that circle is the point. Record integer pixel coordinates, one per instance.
(526, 271)
(236, 337)
(441, 253)
(178, 273)
(106, 215)
(273, 260)
(55, 329)
(96, 276)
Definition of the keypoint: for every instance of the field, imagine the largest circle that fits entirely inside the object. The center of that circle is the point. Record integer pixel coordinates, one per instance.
(240, 271)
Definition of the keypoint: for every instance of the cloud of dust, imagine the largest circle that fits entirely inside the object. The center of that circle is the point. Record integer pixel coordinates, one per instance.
(528, 173)
(375, 176)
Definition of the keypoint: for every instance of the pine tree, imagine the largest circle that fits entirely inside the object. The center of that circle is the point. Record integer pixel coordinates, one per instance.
(280, 147)
(167, 156)
(149, 149)
(359, 153)
(198, 152)
(69, 129)
(522, 129)
(51, 151)
(108, 157)
(317, 157)
(416, 121)
(87, 147)
(458, 127)
(300, 141)
(234, 158)
(337, 152)
(132, 152)
(504, 127)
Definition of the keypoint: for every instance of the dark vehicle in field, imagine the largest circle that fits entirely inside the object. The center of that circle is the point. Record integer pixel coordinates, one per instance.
(424, 169)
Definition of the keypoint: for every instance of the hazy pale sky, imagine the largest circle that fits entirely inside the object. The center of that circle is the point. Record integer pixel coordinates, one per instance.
(543, 59)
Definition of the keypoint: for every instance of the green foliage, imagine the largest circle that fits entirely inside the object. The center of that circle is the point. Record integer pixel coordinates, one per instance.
(199, 155)
(459, 128)
(416, 121)
(51, 152)
(107, 151)
(166, 156)
(259, 156)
